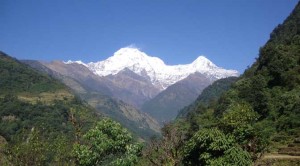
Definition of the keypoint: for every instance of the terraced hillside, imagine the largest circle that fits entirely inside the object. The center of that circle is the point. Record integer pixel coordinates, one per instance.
(286, 155)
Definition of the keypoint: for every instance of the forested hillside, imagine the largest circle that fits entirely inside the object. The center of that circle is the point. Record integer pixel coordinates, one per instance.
(258, 115)
(39, 110)
(43, 123)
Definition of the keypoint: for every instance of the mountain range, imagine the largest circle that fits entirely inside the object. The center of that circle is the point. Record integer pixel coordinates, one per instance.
(153, 68)
(142, 81)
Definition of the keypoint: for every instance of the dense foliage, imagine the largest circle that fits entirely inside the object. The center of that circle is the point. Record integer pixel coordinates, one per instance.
(34, 131)
(213, 147)
(258, 114)
(51, 119)
(107, 144)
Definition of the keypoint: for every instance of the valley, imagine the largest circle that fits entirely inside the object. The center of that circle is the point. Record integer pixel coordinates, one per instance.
(135, 109)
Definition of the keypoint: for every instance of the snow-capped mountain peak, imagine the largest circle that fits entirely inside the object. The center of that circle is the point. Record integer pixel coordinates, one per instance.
(131, 58)
(130, 52)
(202, 63)
(134, 55)
(153, 68)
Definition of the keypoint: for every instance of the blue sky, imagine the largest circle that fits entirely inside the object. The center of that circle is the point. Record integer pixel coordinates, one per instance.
(229, 33)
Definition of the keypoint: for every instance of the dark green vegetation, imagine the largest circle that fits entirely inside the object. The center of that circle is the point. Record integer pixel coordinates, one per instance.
(40, 118)
(43, 123)
(18, 78)
(103, 143)
(259, 114)
(40, 133)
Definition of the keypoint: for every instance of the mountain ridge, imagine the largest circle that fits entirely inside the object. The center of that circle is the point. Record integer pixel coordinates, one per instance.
(153, 68)
(144, 81)
(87, 86)
(165, 106)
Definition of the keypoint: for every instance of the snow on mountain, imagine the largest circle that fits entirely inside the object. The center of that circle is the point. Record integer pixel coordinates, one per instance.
(79, 62)
(153, 68)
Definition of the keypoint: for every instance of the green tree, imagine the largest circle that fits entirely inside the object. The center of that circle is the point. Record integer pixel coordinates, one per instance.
(168, 149)
(213, 147)
(107, 144)
(238, 119)
(33, 149)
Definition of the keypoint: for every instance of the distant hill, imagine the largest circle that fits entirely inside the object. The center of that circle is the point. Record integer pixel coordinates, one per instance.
(165, 106)
(209, 95)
